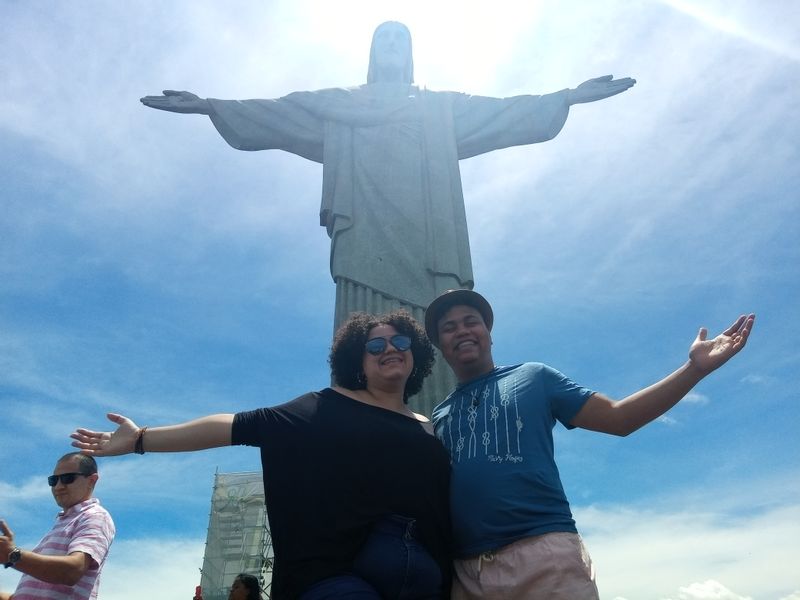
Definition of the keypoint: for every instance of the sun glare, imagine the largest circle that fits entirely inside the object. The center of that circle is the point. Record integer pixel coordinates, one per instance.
(732, 27)
(455, 47)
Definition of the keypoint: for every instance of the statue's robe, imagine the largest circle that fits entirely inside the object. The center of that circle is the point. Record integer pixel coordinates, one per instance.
(391, 187)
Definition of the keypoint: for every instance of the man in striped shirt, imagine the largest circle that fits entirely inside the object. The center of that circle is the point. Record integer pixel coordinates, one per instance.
(66, 564)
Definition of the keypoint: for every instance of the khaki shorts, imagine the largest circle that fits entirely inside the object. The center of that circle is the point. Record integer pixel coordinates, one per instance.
(553, 566)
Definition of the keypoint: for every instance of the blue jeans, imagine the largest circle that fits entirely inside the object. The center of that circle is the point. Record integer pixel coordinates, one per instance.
(391, 565)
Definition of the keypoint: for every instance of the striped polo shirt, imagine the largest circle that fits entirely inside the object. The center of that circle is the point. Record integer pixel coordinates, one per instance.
(86, 527)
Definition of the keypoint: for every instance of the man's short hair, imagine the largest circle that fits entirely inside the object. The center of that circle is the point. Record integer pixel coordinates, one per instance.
(87, 465)
(447, 300)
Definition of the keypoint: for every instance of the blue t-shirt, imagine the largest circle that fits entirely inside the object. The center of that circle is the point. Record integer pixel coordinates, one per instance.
(498, 429)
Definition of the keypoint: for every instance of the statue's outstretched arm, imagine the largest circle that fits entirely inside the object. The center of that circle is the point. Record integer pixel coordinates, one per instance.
(599, 88)
(179, 102)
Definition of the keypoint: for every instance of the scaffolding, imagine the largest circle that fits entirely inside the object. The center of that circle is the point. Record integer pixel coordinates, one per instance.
(238, 539)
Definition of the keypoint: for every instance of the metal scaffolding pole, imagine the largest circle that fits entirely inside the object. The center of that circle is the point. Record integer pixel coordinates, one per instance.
(238, 539)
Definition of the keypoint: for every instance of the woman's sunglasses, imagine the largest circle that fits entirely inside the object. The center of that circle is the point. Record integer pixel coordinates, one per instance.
(377, 345)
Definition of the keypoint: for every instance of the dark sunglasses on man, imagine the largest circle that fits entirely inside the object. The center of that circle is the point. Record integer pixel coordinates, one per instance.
(377, 345)
(65, 478)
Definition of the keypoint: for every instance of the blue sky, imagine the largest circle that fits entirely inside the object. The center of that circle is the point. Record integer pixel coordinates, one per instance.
(149, 269)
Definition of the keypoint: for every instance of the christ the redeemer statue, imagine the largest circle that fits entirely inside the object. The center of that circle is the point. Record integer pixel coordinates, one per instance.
(391, 187)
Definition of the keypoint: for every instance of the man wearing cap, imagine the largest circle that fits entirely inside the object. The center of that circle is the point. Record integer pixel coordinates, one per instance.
(66, 564)
(514, 532)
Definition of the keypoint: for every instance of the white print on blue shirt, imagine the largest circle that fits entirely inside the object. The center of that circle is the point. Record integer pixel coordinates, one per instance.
(500, 427)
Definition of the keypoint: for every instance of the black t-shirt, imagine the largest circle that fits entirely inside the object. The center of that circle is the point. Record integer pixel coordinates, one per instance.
(333, 466)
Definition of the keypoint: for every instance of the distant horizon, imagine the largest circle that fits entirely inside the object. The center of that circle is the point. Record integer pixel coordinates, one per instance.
(149, 269)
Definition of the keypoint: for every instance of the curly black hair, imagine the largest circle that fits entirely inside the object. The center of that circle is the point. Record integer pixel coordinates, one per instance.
(251, 583)
(347, 351)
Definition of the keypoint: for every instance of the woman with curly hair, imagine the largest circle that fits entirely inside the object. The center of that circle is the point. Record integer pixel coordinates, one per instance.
(245, 587)
(356, 486)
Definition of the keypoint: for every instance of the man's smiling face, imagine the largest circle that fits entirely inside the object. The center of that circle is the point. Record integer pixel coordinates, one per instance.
(465, 342)
(70, 494)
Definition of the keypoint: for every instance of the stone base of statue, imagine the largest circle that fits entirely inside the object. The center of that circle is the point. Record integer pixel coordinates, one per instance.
(352, 297)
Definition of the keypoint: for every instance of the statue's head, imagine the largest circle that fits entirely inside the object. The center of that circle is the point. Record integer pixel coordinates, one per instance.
(390, 57)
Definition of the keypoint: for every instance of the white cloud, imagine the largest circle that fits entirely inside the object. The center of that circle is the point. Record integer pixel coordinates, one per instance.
(735, 548)
(757, 379)
(709, 590)
(152, 568)
(31, 489)
(155, 568)
(695, 398)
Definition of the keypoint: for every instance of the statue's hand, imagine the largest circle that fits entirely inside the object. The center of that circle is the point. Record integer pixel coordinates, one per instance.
(599, 88)
(179, 102)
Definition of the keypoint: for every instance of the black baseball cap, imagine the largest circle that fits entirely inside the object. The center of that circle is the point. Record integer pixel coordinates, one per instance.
(448, 300)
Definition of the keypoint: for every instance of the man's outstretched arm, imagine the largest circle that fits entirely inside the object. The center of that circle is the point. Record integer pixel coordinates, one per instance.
(600, 413)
